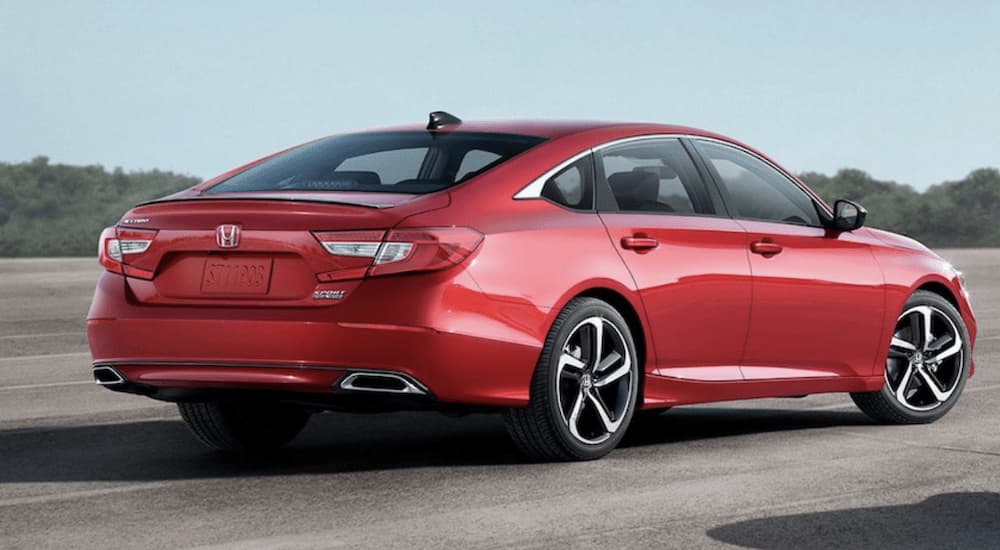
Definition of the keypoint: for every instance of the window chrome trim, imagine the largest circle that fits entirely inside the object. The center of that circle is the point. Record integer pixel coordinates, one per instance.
(534, 189)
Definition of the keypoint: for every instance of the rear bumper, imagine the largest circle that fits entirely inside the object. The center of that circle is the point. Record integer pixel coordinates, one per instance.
(461, 346)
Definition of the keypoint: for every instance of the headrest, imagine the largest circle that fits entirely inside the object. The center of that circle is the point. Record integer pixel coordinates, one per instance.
(633, 189)
(357, 176)
(665, 172)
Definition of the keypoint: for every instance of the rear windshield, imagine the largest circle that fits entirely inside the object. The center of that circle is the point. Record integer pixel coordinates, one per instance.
(393, 162)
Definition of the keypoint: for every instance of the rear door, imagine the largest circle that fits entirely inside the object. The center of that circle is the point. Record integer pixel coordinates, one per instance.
(818, 295)
(688, 258)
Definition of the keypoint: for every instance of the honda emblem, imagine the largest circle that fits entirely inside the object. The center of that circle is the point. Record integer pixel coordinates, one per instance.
(227, 236)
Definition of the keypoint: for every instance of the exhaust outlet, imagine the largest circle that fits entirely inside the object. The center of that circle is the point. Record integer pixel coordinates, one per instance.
(382, 382)
(107, 376)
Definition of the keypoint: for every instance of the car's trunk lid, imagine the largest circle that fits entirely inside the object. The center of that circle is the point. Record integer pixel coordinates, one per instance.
(256, 249)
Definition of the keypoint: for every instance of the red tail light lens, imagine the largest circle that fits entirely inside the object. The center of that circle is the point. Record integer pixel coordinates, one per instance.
(108, 251)
(116, 244)
(404, 250)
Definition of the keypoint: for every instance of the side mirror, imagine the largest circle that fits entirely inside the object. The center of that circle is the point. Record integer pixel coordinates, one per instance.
(848, 215)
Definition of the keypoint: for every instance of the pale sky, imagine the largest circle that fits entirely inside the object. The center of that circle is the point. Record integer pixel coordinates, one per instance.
(906, 90)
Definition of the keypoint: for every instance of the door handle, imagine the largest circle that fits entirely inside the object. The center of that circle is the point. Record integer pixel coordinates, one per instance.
(639, 242)
(766, 248)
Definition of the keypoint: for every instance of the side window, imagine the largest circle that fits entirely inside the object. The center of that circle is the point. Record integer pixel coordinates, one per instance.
(655, 176)
(756, 190)
(573, 186)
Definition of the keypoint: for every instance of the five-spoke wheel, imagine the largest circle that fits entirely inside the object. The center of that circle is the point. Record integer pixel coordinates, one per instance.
(595, 380)
(927, 364)
(585, 386)
(925, 358)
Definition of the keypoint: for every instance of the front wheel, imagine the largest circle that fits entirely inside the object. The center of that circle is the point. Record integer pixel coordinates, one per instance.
(927, 366)
(584, 389)
(240, 426)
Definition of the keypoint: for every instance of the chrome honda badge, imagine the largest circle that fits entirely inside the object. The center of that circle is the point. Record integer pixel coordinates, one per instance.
(227, 236)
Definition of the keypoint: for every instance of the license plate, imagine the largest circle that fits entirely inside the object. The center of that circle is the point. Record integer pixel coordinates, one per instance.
(236, 276)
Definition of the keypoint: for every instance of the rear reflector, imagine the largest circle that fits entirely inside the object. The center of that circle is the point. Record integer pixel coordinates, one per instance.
(401, 251)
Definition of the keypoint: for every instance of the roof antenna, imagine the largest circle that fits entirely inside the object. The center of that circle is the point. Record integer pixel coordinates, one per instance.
(440, 119)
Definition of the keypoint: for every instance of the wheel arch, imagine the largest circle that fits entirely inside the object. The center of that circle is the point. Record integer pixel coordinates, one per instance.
(938, 284)
(941, 289)
(631, 313)
(949, 287)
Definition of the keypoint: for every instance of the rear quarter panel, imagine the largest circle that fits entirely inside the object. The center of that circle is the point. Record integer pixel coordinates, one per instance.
(535, 257)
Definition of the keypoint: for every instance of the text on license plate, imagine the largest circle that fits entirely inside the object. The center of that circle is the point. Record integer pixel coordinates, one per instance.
(236, 276)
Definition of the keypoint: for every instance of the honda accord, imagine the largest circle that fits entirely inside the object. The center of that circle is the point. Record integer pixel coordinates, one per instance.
(569, 275)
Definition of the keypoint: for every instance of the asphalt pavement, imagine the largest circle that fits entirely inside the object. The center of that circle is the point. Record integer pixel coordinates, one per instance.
(84, 467)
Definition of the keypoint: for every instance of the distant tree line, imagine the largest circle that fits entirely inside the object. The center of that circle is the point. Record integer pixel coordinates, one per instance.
(963, 213)
(59, 210)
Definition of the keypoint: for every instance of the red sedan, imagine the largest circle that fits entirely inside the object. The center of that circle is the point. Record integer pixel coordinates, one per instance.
(565, 274)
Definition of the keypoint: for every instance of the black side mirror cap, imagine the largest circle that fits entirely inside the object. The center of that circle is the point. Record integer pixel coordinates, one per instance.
(848, 215)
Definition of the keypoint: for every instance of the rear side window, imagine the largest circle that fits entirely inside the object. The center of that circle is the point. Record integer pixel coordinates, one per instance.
(386, 162)
(756, 190)
(655, 176)
(573, 186)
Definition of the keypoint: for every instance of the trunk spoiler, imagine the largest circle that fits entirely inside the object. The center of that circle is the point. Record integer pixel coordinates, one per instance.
(285, 198)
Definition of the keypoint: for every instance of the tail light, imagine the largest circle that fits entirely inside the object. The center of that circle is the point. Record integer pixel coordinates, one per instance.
(116, 244)
(401, 251)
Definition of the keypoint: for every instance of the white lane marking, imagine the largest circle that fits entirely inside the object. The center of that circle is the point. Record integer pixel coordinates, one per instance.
(988, 338)
(49, 356)
(983, 388)
(151, 411)
(50, 385)
(82, 494)
(42, 335)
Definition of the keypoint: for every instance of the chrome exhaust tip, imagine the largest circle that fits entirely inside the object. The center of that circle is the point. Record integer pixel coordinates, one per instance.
(382, 382)
(107, 376)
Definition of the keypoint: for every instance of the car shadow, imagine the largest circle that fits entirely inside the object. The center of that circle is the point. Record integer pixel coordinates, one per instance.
(333, 443)
(952, 520)
(699, 423)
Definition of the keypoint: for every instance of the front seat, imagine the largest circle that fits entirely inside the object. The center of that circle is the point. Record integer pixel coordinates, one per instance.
(637, 191)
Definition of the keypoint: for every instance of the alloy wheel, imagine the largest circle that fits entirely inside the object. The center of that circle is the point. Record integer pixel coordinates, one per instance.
(925, 360)
(595, 380)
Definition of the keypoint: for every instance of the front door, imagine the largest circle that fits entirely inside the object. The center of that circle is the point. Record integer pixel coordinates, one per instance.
(818, 299)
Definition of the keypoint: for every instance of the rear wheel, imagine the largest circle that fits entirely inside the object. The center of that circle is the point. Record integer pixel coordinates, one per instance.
(927, 366)
(243, 426)
(584, 389)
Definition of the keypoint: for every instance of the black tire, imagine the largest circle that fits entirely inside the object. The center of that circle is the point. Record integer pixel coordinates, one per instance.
(540, 430)
(884, 406)
(247, 427)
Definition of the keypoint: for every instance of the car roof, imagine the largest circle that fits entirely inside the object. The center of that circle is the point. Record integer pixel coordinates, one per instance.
(559, 128)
